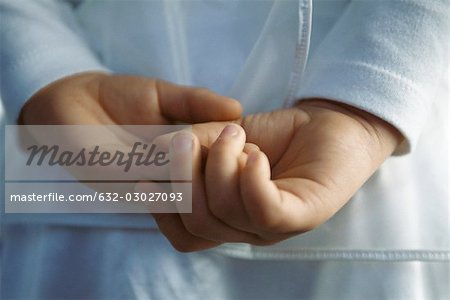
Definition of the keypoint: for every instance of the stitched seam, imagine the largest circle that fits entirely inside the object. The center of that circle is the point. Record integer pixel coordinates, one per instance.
(334, 254)
(301, 52)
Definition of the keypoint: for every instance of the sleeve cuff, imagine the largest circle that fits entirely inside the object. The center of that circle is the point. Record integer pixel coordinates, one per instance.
(20, 80)
(374, 89)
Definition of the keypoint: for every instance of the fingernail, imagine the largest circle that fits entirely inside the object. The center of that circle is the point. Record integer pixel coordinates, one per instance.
(182, 142)
(229, 131)
(252, 157)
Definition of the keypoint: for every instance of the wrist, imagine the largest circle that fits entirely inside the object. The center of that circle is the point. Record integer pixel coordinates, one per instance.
(386, 136)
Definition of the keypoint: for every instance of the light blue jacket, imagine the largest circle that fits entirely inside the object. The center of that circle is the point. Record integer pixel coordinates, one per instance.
(386, 57)
(382, 56)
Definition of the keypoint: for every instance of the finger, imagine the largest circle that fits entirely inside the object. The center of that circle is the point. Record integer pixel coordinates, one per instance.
(195, 105)
(222, 177)
(261, 197)
(171, 226)
(201, 222)
(141, 100)
(248, 148)
(206, 133)
(274, 206)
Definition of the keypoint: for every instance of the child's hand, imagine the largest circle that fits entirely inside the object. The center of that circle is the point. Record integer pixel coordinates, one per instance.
(311, 160)
(102, 99)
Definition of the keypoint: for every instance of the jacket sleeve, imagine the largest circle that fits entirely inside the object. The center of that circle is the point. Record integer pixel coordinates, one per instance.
(385, 57)
(40, 42)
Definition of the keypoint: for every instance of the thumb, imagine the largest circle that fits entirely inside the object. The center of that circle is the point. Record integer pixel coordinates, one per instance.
(195, 105)
(140, 100)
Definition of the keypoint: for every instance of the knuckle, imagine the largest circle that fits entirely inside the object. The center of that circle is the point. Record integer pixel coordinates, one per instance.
(250, 147)
(150, 90)
(225, 147)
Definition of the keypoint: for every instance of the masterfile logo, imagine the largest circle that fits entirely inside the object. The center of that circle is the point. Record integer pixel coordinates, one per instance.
(145, 155)
(83, 168)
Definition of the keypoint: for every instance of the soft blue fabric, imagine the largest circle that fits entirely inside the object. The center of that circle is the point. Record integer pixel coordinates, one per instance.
(397, 48)
(51, 262)
(383, 56)
(40, 43)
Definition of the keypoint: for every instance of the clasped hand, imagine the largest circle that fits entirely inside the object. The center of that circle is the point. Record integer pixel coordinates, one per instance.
(270, 176)
(259, 179)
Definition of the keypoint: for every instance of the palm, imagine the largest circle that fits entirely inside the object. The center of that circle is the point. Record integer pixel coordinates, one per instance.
(101, 99)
